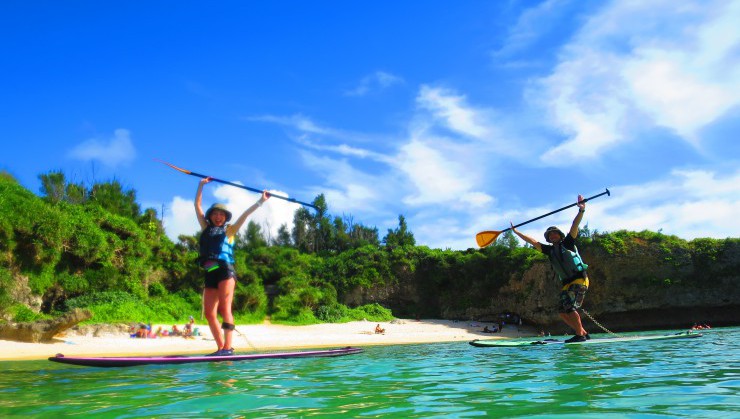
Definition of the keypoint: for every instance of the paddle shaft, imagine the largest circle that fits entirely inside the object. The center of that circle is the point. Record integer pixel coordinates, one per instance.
(226, 182)
(558, 210)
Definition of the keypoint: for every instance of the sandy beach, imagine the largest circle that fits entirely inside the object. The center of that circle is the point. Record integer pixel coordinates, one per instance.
(262, 337)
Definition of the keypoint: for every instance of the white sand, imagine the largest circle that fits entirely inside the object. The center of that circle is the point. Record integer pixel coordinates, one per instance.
(264, 337)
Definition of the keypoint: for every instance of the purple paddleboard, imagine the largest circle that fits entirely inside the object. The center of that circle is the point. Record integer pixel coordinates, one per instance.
(129, 361)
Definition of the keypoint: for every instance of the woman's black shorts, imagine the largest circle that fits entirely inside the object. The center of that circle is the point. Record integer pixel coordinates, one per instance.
(218, 273)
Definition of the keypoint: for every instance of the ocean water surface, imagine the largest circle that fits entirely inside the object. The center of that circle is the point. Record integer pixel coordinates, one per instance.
(682, 378)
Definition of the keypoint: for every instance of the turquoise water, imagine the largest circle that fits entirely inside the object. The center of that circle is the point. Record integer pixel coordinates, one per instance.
(682, 378)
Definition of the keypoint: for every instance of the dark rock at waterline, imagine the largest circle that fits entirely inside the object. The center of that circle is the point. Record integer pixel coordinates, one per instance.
(42, 330)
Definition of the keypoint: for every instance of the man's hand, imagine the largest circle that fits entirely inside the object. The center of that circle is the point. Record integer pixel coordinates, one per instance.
(581, 203)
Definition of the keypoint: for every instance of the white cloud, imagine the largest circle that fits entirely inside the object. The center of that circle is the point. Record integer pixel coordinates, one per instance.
(297, 121)
(687, 88)
(441, 232)
(379, 80)
(420, 169)
(674, 67)
(111, 151)
(531, 26)
(348, 188)
(305, 125)
(345, 150)
(453, 111)
(480, 130)
(477, 199)
(179, 218)
(437, 176)
(687, 203)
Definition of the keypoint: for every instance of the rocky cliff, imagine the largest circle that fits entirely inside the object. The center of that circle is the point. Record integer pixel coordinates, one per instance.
(636, 283)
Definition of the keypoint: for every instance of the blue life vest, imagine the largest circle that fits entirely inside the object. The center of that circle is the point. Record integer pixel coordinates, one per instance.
(216, 245)
(567, 263)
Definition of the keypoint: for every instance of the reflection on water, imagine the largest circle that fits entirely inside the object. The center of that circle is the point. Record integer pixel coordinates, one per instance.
(697, 377)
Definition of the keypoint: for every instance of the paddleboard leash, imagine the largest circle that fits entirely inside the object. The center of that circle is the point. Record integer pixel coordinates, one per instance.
(599, 324)
(245, 338)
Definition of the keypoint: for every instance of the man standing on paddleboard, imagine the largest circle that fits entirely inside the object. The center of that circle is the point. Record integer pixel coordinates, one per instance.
(217, 258)
(567, 263)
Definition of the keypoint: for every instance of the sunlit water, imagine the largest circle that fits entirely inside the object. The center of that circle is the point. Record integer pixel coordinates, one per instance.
(682, 378)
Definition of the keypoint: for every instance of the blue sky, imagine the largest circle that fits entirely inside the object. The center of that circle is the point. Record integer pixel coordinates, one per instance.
(459, 115)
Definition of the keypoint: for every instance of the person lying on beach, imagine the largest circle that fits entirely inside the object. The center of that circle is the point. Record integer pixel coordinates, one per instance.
(379, 330)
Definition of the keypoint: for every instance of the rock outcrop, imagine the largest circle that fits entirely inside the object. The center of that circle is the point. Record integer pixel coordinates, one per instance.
(42, 330)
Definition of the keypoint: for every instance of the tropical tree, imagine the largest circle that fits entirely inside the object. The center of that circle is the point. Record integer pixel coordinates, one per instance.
(507, 239)
(111, 197)
(400, 236)
(53, 186)
(283, 237)
(253, 238)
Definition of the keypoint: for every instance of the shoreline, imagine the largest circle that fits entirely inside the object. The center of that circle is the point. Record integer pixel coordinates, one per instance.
(262, 338)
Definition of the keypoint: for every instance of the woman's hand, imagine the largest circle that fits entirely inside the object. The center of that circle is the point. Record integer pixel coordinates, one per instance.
(265, 196)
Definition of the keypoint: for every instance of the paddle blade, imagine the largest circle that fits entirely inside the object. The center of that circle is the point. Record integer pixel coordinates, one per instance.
(187, 172)
(484, 238)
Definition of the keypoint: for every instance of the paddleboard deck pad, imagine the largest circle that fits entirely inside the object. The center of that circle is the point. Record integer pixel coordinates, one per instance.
(181, 359)
(547, 342)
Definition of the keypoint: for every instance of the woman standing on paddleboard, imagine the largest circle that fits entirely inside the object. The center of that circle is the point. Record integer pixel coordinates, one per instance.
(217, 258)
(567, 263)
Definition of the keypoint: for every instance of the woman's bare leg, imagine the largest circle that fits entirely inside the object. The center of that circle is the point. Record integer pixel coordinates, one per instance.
(225, 299)
(211, 306)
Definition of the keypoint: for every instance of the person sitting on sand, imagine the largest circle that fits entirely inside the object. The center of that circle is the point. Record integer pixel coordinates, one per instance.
(141, 332)
(188, 330)
(379, 330)
(492, 329)
(175, 331)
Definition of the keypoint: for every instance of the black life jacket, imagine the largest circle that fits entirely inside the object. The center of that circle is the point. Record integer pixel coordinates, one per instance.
(216, 245)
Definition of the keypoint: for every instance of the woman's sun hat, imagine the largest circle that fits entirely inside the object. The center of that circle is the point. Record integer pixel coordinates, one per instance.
(220, 207)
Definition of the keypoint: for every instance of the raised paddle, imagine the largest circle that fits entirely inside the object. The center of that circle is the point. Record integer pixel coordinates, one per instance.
(485, 238)
(188, 172)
